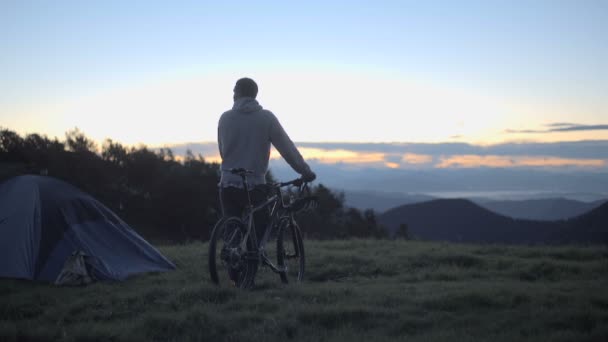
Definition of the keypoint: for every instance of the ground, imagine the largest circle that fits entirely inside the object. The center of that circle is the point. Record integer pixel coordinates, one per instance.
(355, 290)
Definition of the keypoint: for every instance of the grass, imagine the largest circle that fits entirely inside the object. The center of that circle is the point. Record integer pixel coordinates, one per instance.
(354, 290)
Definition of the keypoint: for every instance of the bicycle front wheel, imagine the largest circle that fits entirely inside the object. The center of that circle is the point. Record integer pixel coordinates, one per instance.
(228, 262)
(290, 251)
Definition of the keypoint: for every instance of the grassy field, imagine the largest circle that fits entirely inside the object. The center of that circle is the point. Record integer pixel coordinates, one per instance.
(354, 290)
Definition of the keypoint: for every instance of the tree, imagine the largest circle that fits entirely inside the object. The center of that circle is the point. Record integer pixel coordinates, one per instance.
(77, 142)
(114, 152)
(403, 232)
(11, 146)
(161, 196)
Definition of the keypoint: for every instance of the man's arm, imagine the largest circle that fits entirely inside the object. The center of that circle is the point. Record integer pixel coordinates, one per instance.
(287, 149)
(219, 137)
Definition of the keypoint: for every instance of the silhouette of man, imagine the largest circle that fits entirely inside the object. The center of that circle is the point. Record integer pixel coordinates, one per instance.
(244, 136)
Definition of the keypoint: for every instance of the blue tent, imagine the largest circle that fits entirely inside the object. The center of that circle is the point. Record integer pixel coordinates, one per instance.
(44, 220)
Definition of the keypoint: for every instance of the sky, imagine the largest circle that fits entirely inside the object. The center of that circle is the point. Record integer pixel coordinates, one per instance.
(158, 73)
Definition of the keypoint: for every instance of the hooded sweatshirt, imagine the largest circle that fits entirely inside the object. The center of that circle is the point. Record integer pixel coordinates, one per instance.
(244, 136)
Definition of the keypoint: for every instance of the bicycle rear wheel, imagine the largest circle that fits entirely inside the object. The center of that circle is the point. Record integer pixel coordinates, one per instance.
(228, 262)
(290, 251)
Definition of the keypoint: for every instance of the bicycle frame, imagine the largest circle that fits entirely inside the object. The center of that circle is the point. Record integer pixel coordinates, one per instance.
(275, 216)
(277, 203)
(248, 217)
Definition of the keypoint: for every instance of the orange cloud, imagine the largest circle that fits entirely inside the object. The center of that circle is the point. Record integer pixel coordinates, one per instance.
(339, 156)
(389, 160)
(392, 165)
(413, 158)
(556, 161)
(471, 161)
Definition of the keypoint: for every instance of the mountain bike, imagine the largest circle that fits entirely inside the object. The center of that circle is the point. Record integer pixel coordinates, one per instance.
(234, 249)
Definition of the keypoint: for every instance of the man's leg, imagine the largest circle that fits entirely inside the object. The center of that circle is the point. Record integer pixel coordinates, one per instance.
(261, 218)
(231, 203)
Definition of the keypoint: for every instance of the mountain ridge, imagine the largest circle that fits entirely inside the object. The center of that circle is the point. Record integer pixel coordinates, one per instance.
(543, 209)
(461, 220)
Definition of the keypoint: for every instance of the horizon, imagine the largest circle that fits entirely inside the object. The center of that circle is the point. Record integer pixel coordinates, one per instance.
(568, 156)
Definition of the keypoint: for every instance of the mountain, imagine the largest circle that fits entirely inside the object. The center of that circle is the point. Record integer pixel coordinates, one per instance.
(541, 209)
(546, 209)
(380, 201)
(589, 227)
(463, 220)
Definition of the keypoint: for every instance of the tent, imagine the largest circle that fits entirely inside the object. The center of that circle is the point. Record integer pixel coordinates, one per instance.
(44, 221)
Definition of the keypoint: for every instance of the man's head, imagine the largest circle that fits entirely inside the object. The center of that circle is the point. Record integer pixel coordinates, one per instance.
(245, 87)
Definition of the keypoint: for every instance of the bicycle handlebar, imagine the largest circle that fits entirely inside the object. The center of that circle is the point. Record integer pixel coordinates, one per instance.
(244, 172)
(295, 182)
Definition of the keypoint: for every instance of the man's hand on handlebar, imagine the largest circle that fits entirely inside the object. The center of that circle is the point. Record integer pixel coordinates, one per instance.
(309, 177)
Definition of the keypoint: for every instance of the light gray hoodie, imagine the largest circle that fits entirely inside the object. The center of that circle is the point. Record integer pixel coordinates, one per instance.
(244, 135)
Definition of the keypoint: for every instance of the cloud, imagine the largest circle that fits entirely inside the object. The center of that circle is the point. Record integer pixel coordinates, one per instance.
(561, 127)
(493, 161)
(413, 158)
(334, 156)
(560, 124)
(510, 131)
(580, 128)
(579, 154)
(597, 149)
(472, 160)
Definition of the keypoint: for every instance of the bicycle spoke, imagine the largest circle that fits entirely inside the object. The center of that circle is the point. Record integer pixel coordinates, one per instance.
(290, 254)
(228, 262)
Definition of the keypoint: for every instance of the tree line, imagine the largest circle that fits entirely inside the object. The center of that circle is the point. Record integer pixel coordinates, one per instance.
(162, 196)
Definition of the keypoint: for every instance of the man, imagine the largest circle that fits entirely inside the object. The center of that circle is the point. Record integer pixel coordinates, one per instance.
(244, 136)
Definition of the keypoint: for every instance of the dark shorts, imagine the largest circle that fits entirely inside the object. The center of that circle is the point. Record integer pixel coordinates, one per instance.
(233, 201)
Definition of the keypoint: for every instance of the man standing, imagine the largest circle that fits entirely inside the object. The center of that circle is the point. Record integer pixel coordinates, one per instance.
(244, 136)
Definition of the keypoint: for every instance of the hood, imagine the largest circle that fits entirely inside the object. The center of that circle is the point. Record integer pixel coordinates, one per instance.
(246, 105)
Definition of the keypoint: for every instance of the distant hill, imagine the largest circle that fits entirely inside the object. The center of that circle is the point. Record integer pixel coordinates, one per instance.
(546, 209)
(542, 209)
(381, 201)
(463, 220)
(592, 226)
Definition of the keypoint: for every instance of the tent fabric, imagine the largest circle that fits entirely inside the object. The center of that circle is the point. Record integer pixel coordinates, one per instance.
(43, 221)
